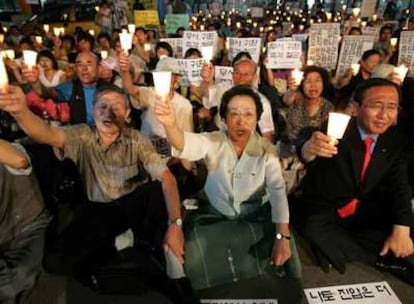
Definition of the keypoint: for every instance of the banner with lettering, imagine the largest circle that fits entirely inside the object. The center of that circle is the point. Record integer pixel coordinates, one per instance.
(351, 51)
(284, 54)
(223, 74)
(174, 21)
(191, 71)
(198, 40)
(406, 51)
(250, 45)
(147, 17)
(323, 44)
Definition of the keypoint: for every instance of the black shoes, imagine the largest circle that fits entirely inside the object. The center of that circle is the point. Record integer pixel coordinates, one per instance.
(401, 268)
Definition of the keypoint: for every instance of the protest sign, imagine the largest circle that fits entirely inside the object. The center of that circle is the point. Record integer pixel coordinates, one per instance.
(406, 51)
(223, 74)
(190, 70)
(250, 45)
(323, 44)
(147, 17)
(199, 40)
(284, 54)
(174, 21)
(351, 51)
(365, 293)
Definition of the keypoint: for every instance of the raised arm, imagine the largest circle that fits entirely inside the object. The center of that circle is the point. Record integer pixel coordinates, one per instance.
(124, 65)
(165, 114)
(14, 102)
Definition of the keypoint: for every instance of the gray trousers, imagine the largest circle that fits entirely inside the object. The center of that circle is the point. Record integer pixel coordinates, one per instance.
(21, 263)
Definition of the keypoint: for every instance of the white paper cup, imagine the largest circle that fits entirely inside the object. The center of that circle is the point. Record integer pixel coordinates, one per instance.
(162, 83)
(29, 58)
(337, 123)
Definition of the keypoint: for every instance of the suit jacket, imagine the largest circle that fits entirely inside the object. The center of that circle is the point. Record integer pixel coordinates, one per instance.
(384, 195)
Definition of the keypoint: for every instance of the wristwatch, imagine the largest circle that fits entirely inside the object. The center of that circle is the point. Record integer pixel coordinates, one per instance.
(280, 236)
(178, 221)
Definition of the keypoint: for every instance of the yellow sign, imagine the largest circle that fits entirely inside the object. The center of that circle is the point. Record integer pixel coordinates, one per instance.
(147, 17)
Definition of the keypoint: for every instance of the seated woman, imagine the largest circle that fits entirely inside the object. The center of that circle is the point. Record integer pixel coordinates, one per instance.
(245, 227)
(308, 103)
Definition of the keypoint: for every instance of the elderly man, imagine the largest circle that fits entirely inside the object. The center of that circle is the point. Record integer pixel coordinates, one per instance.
(244, 73)
(22, 224)
(114, 163)
(356, 195)
(78, 93)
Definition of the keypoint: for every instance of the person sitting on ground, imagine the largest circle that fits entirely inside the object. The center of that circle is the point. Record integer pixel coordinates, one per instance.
(356, 202)
(23, 223)
(243, 174)
(116, 165)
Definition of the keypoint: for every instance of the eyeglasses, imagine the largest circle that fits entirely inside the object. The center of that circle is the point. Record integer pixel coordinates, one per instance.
(248, 116)
(379, 106)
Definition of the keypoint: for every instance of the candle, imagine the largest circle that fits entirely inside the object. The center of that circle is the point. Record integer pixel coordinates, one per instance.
(97, 8)
(337, 123)
(202, 27)
(355, 68)
(355, 11)
(344, 7)
(147, 47)
(104, 54)
(46, 27)
(126, 41)
(9, 54)
(131, 28)
(29, 58)
(162, 83)
(56, 31)
(374, 18)
(297, 76)
(91, 32)
(5, 29)
(4, 80)
(401, 71)
(1, 38)
(393, 41)
(301, 27)
(328, 16)
(207, 53)
(238, 25)
(39, 39)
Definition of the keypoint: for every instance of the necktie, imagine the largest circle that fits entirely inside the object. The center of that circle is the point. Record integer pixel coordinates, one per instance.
(350, 208)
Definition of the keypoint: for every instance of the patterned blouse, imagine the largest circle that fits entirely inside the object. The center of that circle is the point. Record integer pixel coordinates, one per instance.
(298, 119)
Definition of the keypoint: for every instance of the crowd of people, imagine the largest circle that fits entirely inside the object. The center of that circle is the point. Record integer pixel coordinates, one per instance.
(251, 157)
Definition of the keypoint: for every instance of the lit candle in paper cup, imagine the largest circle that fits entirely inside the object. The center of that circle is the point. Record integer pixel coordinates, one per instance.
(207, 53)
(309, 62)
(344, 7)
(126, 41)
(4, 80)
(374, 18)
(393, 41)
(1, 38)
(238, 25)
(401, 71)
(46, 27)
(9, 54)
(301, 27)
(162, 83)
(97, 8)
(29, 58)
(355, 68)
(337, 123)
(297, 76)
(92, 32)
(202, 27)
(355, 11)
(363, 24)
(147, 47)
(56, 31)
(5, 29)
(328, 16)
(104, 54)
(131, 28)
(39, 39)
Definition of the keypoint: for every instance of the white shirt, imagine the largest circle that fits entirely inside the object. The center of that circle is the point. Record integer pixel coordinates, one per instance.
(55, 80)
(215, 94)
(256, 175)
(151, 127)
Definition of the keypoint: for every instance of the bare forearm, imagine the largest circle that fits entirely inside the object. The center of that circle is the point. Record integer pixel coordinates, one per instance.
(175, 136)
(204, 89)
(289, 97)
(128, 84)
(38, 129)
(11, 156)
(171, 196)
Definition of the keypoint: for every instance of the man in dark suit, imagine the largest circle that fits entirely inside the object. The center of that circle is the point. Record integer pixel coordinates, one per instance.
(357, 198)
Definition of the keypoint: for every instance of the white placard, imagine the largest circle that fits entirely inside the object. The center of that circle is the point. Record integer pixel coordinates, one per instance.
(300, 37)
(323, 44)
(368, 8)
(251, 45)
(351, 51)
(256, 12)
(190, 70)
(199, 40)
(406, 51)
(177, 46)
(239, 301)
(365, 293)
(223, 74)
(371, 31)
(284, 54)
